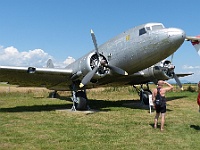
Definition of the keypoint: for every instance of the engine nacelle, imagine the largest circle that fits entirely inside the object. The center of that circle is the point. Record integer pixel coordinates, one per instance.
(164, 71)
(91, 61)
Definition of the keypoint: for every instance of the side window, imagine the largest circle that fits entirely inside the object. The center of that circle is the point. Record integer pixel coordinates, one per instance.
(142, 31)
(148, 28)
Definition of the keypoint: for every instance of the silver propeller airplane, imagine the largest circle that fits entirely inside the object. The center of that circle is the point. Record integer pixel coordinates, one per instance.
(128, 59)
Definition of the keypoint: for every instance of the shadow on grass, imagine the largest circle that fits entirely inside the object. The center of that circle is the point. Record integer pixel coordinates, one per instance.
(36, 108)
(196, 127)
(101, 105)
(175, 98)
(152, 125)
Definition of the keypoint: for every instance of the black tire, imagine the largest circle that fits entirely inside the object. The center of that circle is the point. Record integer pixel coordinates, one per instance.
(53, 95)
(82, 101)
(144, 96)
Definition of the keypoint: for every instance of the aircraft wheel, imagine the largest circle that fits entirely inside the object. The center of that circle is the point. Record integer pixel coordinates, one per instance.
(82, 101)
(53, 94)
(144, 96)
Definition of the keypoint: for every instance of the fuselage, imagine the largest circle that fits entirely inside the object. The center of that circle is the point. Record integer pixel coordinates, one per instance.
(137, 48)
(132, 51)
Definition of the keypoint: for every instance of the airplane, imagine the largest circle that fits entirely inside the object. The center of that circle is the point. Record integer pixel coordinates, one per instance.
(127, 59)
(195, 42)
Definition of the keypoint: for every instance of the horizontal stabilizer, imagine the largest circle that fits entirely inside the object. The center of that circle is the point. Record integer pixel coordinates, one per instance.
(195, 42)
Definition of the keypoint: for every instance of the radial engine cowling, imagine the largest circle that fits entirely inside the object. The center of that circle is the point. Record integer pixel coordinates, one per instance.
(89, 62)
(164, 71)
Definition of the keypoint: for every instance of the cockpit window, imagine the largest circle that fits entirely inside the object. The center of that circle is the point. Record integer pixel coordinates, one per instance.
(148, 28)
(157, 27)
(142, 31)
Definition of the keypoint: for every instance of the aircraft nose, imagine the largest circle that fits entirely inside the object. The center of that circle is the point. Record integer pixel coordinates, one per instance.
(176, 35)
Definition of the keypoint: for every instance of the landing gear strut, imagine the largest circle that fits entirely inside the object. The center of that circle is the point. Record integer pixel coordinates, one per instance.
(53, 94)
(143, 94)
(79, 99)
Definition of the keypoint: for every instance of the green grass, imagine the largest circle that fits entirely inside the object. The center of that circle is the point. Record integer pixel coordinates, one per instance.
(27, 122)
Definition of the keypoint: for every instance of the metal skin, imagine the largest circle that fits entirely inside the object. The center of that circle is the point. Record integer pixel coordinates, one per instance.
(133, 51)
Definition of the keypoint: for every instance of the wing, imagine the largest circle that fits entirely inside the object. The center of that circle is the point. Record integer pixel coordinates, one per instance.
(184, 74)
(30, 76)
(151, 74)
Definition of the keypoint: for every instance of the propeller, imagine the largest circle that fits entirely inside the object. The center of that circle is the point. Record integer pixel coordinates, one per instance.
(88, 77)
(171, 71)
(95, 42)
(113, 68)
(175, 76)
(172, 57)
(178, 81)
(99, 64)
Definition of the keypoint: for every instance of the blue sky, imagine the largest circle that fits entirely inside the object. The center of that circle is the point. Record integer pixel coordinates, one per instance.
(31, 31)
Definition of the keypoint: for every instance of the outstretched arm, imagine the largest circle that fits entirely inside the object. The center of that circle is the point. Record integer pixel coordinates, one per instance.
(170, 87)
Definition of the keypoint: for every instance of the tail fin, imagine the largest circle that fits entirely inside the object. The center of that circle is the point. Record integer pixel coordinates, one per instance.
(195, 42)
(50, 64)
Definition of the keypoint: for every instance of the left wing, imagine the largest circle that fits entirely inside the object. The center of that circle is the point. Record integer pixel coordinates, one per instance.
(30, 76)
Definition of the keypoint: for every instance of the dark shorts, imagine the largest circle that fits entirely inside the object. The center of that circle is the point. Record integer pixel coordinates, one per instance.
(161, 109)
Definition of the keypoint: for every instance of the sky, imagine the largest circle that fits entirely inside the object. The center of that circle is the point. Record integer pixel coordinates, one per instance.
(32, 31)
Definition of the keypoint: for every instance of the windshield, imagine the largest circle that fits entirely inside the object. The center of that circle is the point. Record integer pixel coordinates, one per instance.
(156, 27)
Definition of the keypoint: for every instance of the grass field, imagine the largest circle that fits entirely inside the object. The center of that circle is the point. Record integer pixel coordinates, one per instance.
(30, 120)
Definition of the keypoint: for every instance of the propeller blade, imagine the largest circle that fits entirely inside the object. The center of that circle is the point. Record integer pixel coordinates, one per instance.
(95, 42)
(178, 81)
(88, 77)
(117, 70)
(172, 57)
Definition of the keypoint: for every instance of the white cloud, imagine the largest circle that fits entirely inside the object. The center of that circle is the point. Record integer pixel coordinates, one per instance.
(192, 69)
(63, 64)
(186, 67)
(69, 60)
(10, 56)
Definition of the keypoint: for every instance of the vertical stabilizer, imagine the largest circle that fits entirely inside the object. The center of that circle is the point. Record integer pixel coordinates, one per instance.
(50, 64)
(195, 42)
(196, 45)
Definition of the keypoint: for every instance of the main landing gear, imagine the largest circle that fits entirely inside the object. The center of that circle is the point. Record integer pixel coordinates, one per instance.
(53, 94)
(143, 94)
(79, 99)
